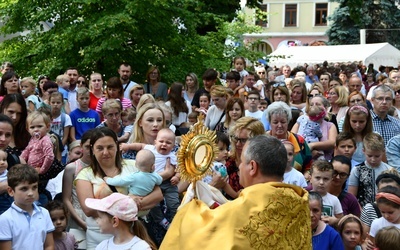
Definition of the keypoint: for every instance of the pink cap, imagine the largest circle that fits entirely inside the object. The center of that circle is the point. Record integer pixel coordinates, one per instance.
(116, 204)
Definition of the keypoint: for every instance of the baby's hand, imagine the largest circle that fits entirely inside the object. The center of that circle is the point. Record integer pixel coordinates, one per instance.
(175, 180)
(123, 147)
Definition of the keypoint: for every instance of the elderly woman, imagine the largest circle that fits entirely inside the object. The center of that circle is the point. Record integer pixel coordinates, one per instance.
(106, 161)
(111, 110)
(278, 115)
(157, 89)
(329, 131)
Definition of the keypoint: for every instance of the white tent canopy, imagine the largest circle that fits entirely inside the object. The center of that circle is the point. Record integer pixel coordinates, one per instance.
(376, 53)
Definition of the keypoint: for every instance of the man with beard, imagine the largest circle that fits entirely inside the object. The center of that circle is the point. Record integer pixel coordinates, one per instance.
(125, 72)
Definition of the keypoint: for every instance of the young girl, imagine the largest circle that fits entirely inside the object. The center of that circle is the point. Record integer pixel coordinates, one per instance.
(62, 239)
(387, 238)
(292, 175)
(239, 65)
(61, 122)
(117, 215)
(204, 100)
(388, 201)
(351, 230)
(358, 123)
(28, 86)
(180, 107)
(39, 152)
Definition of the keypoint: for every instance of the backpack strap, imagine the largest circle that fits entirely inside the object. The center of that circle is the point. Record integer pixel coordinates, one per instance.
(377, 211)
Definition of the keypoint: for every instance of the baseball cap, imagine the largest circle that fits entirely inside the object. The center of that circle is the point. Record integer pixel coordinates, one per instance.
(116, 204)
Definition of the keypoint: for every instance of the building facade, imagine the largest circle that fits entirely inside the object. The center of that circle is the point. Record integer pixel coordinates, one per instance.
(291, 23)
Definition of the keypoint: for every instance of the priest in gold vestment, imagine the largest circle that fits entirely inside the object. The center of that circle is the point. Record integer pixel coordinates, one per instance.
(267, 214)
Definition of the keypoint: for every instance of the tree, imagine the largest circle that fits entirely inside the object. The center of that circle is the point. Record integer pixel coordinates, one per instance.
(179, 36)
(379, 17)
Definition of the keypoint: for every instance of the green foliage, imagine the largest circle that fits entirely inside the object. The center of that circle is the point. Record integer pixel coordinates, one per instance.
(179, 36)
(353, 15)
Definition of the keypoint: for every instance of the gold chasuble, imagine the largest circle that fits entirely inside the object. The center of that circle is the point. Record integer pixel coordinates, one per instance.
(264, 216)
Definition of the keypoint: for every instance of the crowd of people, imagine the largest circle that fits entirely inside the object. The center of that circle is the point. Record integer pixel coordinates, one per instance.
(93, 163)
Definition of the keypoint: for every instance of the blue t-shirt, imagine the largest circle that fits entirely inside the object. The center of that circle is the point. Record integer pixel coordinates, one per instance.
(63, 92)
(83, 121)
(329, 239)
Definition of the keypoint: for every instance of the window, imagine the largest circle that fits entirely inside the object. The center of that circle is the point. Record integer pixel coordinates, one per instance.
(321, 13)
(290, 15)
(261, 16)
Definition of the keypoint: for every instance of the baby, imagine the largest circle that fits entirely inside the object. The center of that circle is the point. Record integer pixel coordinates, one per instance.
(39, 152)
(140, 183)
(3, 166)
(310, 128)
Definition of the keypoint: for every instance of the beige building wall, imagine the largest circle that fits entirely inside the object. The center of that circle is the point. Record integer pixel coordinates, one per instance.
(304, 32)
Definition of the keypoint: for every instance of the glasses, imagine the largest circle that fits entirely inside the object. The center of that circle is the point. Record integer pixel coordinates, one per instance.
(342, 175)
(279, 84)
(312, 96)
(356, 100)
(381, 99)
(237, 139)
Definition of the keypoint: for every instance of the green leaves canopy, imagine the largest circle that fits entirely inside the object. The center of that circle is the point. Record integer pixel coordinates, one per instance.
(179, 36)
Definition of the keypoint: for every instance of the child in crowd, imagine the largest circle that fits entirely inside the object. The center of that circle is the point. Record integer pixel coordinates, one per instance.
(351, 231)
(346, 145)
(140, 183)
(292, 175)
(83, 118)
(59, 215)
(309, 125)
(239, 65)
(128, 118)
(358, 123)
(388, 201)
(321, 176)
(204, 100)
(61, 123)
(5, 199)
(263, 105)
(362, 177)
(192, 117)
(63, 85)
(233, 82)
(25, 225)
(387, 238)
(162, 150)
(39, 152)
(219, 163)
(28, 87)
(118, 216)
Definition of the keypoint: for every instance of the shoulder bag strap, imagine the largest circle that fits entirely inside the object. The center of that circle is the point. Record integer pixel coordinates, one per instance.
(223, 113)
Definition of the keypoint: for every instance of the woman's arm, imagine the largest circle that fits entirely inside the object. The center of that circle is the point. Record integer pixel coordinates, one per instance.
(353, 190)
(328, 144)
(67, 184)
(84, 190)
(149, 201)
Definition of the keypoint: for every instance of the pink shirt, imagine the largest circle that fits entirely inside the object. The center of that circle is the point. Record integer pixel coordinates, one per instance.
(39, 153)
(126, 103)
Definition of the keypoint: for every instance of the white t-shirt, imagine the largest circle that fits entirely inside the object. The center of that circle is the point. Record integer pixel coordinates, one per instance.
(213, 116)
(58, 128)
(258, 114)
(161, 159)
(331, 204)
(127, 89)
(135, 244)
(380, 223)
(294, 177)
(182, 117)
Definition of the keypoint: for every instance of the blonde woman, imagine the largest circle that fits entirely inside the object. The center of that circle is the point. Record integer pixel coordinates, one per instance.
(338, 98)
(216, 113)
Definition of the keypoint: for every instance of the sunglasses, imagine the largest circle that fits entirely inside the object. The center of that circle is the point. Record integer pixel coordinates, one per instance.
(312, 96)
(279, 84)
(237, 139)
